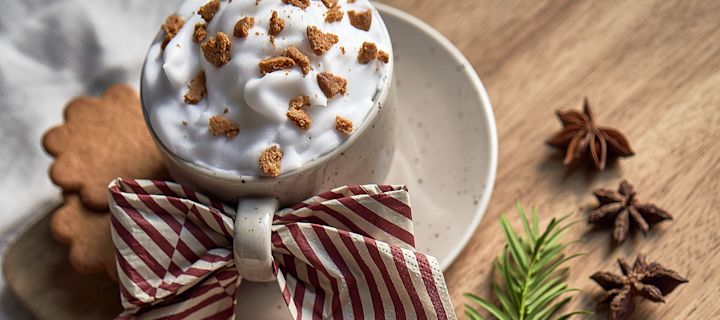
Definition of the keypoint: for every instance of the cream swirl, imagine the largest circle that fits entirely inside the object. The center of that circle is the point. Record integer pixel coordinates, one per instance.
(258, 103)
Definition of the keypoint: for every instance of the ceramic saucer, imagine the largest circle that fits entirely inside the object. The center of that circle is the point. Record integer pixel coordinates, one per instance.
(446, 149)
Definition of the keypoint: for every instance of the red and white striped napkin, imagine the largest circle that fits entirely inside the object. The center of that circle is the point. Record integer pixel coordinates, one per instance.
(344, 254)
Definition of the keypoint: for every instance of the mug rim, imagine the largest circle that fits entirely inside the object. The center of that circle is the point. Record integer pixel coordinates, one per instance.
(379, 99)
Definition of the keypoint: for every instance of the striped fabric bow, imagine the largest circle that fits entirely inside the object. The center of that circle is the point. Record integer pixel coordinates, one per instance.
(344, 254)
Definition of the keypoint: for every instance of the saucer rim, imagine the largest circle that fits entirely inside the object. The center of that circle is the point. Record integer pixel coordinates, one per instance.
(489, 124)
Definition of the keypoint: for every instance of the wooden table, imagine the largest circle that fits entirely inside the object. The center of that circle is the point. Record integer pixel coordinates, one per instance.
(650, 68)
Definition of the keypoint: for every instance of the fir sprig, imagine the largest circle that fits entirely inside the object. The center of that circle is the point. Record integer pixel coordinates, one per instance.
(531, 277)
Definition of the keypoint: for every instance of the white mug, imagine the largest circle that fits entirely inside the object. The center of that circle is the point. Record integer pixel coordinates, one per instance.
(364, 157)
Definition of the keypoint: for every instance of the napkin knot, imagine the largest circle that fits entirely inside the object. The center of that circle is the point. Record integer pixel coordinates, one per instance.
(343, 254)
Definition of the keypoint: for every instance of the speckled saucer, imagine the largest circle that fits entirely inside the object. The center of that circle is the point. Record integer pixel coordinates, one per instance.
(446, 149)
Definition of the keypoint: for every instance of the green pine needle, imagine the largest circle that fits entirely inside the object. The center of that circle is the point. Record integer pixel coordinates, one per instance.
(531, 274)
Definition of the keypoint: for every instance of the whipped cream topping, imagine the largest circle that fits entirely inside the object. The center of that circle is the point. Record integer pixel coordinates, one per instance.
(257, 103)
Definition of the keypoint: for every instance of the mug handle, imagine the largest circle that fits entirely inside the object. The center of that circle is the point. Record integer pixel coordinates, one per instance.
(252, 243)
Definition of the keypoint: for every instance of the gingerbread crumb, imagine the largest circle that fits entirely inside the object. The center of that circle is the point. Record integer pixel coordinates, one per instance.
(200, 32)
(342, 50)
(299, 102)
(360, 20)
(331, 84)
(208, 10)
(274, 64)
(196, 89)
(302, 4)
(334, 14)
(243, 26)
(300, 117)
(217, 49)
(343, 125)
(219, 125)
(171, 27)
(300, 58)
(329, 3)
(368, 52)
(277, 24)
(270, 161)
(383, 56)
(320, 42)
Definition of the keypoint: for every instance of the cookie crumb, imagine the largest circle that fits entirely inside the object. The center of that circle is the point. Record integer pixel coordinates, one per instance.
(331, 84)
(299, 102)
(270, 161)
(300, 58)
(171, 27)
(219, 125)
(383, 56)
(184, 123)
(329, 3)
(360, 20)
(226, 110)
(196, 89)
(343, 125)
(217, 49)
(277, 24)
(368, 52)
(350, 1)
(334, 14)
(300, 117)
(342, 50)
(274, 64)
(243, 26)
(200, 32)
(208, 10)
(320, 42)
(302, 4)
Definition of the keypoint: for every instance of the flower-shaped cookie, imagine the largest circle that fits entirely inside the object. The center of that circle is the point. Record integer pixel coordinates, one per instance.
(102, 139)
(88, 235)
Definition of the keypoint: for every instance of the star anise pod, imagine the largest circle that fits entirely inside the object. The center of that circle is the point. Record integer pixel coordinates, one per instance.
(651, 281)
(580, 136)
(622, 209)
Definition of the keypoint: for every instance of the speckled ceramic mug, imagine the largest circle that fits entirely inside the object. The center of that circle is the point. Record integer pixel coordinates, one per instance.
(365, 157)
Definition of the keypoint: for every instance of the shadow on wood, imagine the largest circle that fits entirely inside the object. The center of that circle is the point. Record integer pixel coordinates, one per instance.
(37, 270)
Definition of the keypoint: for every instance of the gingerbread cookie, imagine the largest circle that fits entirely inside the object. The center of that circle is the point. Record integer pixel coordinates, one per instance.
(102, 139)
(88, 235)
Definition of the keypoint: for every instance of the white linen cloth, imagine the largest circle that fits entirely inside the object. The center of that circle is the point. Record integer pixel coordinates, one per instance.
(51, 51)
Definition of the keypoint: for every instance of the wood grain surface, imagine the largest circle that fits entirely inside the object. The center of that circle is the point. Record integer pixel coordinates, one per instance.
(650, 68)
(36, 267)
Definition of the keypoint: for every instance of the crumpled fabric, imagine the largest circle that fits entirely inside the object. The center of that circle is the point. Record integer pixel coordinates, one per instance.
(51, 51)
